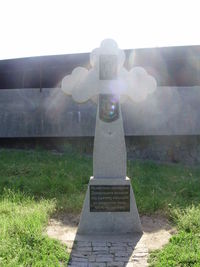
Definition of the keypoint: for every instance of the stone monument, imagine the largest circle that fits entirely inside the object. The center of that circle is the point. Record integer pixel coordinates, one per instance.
(109, 206)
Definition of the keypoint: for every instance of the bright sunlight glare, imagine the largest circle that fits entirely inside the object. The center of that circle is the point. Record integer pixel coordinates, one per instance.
(51, 27)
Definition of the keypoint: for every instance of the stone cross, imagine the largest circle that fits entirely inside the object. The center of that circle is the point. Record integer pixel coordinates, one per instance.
(109, 206)
(109, 156)
(107, 81)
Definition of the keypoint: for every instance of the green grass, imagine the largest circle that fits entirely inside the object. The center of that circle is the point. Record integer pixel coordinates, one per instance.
(184, 248)
(162, 186)
(36, 184)
(43, 174)
(22, 242)
(65, 178)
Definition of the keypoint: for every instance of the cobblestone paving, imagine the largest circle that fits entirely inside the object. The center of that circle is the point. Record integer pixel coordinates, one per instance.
(107, 254)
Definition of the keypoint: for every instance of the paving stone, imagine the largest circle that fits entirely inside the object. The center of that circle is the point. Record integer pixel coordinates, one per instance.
(115, 264)
(108, 254)
(104, 258)
(78, 264)
(132, 244)
(81, 251)
(130, 250)
(113, 251)
(121, 259)
(130, 253)
(92, 258)
(85, 249)
(97, 264)
(104, 248)
(118, 243)
(79, 259)
(101, 252)
(99, 244)
(80, 254)
(122, 254)
(118, 248)
(83, 244)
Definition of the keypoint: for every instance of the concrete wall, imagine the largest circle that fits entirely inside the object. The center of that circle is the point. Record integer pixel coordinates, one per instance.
(171, 66)
(43, 113)
(175, 149)
(50, 113)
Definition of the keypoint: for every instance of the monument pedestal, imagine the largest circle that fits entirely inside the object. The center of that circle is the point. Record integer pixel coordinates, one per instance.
(109, 208)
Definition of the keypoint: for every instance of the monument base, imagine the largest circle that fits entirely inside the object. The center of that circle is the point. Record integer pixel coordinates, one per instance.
(109, 208)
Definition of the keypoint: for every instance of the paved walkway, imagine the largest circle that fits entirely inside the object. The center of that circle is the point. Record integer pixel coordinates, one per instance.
(97, 253)
(128, 249)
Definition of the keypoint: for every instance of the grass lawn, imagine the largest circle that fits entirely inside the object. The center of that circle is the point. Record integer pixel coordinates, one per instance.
(22, 220)
(36, 184)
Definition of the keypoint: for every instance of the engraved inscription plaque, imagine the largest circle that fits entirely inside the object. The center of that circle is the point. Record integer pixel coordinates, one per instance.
(109, 198)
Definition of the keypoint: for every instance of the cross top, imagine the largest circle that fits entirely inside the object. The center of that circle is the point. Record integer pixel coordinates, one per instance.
(108, 75)
(108, 80)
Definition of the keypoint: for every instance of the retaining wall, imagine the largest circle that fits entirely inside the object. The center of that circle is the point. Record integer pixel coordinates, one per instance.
(165, 127)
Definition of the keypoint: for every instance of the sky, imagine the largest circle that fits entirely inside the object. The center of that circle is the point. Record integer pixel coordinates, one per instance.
(51, 27)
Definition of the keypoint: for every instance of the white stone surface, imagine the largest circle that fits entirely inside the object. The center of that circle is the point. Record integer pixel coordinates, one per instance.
(109, 155)
(109, 222)
(108, 76)
(84, 84)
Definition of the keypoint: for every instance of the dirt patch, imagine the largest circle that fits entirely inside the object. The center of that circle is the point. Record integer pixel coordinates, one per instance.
(157, 230)
(63, 227)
